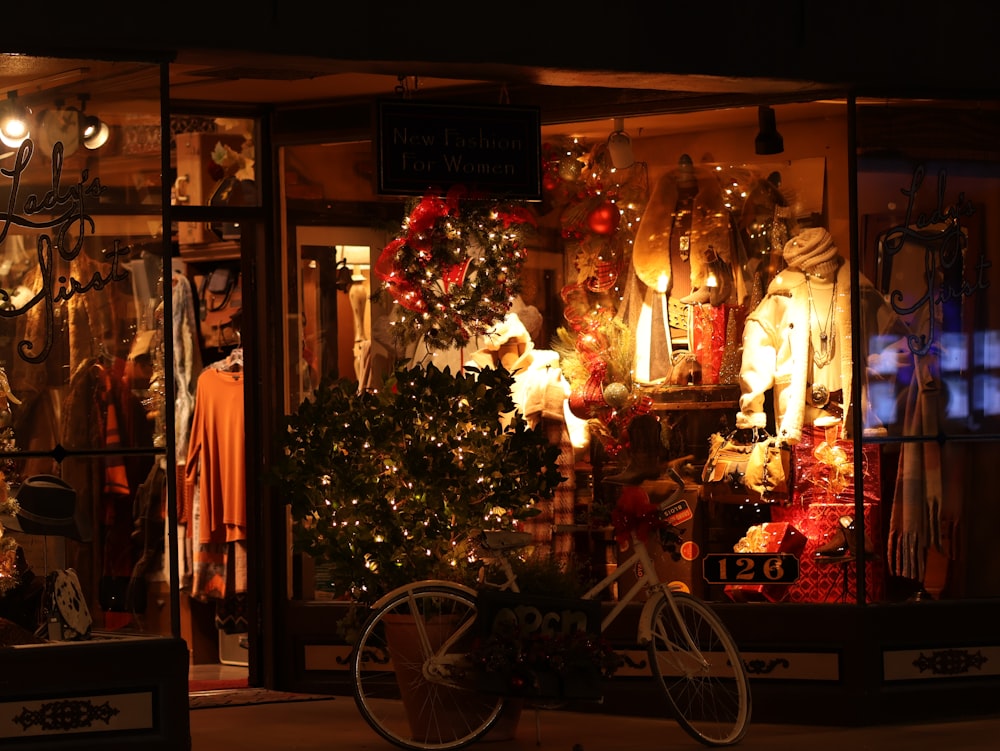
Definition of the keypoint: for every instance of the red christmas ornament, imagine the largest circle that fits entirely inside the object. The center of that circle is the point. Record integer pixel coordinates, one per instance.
(604, 219)
(579, 405)
(587, 401)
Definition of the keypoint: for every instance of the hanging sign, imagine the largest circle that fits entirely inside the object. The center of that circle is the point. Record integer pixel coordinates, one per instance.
(428, 148)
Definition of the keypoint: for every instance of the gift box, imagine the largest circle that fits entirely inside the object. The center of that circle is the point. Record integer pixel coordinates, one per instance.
(813, 476)
(829, 580)
(771, 537)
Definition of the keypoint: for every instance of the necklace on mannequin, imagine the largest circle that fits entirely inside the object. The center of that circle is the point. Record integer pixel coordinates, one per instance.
(823, 354)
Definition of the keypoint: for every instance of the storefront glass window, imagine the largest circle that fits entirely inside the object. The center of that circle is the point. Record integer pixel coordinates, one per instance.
(688, 286)
(82, 408)
(700, 216)
(928, 180)
(591, 260)
(215, 160)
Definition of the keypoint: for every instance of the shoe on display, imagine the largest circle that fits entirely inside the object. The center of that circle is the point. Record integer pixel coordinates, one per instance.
(843, 544)
(837, 548)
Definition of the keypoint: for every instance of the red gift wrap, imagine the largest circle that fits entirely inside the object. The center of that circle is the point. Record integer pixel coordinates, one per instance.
(816, 509)
(823, 581)
(771, 537)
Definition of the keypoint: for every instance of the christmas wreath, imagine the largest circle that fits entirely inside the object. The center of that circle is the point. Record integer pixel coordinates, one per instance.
(454, 269)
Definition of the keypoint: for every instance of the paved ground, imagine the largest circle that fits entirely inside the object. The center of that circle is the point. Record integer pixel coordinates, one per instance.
(334, 723)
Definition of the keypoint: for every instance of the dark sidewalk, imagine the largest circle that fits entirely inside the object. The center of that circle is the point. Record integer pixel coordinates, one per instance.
(334, 723)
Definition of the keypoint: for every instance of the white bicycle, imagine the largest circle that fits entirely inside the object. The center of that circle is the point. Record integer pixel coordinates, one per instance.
(417, 693)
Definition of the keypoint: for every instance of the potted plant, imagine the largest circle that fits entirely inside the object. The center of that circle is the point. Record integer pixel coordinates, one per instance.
(385, 485)
(543, 642)
(559, 665)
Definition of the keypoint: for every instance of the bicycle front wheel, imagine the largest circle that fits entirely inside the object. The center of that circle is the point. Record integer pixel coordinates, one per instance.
(696, 663)
(408, 672)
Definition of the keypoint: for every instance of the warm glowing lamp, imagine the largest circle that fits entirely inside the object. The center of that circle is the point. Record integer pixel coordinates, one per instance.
(95, 132)
(14, 127)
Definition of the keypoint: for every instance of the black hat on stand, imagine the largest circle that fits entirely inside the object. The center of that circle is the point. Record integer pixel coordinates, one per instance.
(48, 507)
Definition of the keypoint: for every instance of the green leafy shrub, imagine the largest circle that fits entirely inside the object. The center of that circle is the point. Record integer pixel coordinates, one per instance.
(385, 485)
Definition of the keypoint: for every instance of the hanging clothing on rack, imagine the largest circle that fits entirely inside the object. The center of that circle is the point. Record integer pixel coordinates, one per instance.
(188, 365)
(216, 467)
(187, 358)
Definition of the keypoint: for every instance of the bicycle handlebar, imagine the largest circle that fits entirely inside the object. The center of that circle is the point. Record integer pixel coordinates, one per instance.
(672, 469)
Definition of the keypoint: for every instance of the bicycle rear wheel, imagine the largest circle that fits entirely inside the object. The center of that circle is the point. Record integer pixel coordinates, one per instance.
(704, 680)
(396, 694)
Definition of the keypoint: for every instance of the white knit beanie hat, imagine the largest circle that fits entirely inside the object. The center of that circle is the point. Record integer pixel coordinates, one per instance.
(812, 251)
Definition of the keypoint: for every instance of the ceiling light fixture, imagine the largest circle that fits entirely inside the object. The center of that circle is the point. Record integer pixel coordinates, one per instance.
(14, 127)
(94, 132)
(620, 146)
(768, 140)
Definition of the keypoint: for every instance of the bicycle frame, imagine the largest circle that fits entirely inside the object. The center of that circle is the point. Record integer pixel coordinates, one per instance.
(692, 657)
(639, 555)
(437, 668)
(649, 581)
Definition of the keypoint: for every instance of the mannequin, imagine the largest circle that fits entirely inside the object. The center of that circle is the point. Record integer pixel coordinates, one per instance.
(358, 294)
(798, 342)
(540, 393)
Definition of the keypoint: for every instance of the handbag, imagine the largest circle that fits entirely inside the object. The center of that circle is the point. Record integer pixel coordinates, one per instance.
(68, 615)
(220, 296)
(740, 469)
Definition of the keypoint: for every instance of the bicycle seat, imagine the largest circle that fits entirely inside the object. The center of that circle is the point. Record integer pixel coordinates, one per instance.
(500, 540)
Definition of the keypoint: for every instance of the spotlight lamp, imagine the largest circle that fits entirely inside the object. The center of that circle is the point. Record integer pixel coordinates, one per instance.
(14, 127)
(94, 132)
(768, 140)
(620, 146)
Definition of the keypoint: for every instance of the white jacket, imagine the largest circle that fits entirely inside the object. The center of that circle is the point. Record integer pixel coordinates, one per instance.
(776, 351)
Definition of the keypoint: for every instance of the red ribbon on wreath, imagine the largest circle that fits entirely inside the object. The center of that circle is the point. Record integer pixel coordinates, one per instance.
(454, 274)
(405, 293)
(516, 216)
(425, 215)
(420, 223)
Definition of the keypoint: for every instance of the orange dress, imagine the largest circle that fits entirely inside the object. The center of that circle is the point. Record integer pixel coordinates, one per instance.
(216, 456)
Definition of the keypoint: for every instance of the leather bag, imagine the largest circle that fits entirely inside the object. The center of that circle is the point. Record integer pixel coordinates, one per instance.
(740, 469)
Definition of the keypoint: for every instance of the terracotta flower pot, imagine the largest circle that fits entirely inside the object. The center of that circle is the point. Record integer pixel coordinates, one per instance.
(418, 695)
